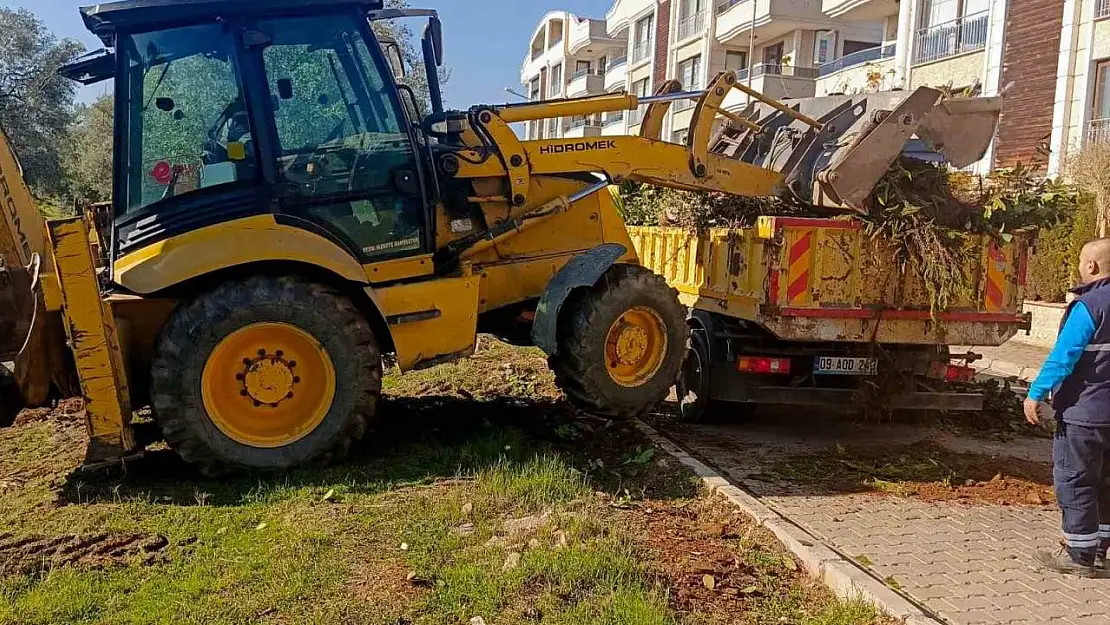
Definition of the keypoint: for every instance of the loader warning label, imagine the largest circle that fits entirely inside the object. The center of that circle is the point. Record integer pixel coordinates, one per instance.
(578, 146)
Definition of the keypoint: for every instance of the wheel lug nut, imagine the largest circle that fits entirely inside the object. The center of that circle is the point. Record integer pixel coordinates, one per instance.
(273, 405)
(296, 379)
(261, 352)
(239, 376)
(243, 392)
(257, 403)
(290, 395)
(279, 353)
(247, 361)
(292, 363)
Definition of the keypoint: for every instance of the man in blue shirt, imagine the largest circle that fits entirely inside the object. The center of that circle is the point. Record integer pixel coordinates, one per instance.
(1077, 376)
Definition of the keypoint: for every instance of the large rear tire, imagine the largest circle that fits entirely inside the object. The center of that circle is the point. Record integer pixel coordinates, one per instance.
(621, 343)
(267, 373)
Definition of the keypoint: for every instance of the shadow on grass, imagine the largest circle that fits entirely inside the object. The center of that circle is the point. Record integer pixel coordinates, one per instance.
(416, 441)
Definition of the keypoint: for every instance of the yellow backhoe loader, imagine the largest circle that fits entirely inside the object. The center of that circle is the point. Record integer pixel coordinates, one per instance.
(283, 216)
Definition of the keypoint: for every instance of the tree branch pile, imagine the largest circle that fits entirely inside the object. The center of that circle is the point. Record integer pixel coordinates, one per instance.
(923, 209)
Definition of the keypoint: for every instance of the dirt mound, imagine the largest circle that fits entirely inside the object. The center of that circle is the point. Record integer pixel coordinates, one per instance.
(31, 554)
(66, 411)
(926, 471)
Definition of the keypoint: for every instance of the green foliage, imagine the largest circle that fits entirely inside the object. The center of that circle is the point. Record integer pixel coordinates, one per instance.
(89, 168)
(36, 103)
(1053, 269)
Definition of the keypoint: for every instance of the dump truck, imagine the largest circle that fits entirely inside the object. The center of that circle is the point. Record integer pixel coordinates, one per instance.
(285, 212)
(807, 312)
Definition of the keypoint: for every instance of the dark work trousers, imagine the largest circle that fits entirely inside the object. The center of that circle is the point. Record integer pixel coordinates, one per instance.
(1081, 469)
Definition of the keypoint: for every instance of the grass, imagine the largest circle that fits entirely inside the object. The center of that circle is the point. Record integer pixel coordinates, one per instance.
(500, 505)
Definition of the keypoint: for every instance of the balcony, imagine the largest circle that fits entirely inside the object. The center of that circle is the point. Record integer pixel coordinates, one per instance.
(1102, 9)
(691, 26)
(587, 33)
(869, 55)
(641, 50)
(616, 75)
(959, 36)
(581, 128)
(775, 81)
(1098, 131)
(613, 118)
(772, 18)
(636, 116)
(552, 129)
(585, 82)
(859, 10)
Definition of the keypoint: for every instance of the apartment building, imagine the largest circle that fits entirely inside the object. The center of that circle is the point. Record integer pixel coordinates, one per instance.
(570, 57)
(1054, 58)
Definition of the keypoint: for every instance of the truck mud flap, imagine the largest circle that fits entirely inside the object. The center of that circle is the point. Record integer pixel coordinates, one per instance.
(846, 397)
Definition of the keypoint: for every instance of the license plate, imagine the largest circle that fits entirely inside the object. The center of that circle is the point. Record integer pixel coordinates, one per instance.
(835, 365)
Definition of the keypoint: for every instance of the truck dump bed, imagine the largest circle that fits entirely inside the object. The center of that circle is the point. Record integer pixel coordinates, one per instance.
(827, 280)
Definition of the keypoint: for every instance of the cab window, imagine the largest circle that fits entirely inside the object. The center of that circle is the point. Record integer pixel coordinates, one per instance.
(187, 128)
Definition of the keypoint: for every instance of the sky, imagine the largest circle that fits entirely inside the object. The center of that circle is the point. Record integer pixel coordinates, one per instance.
(484, 41)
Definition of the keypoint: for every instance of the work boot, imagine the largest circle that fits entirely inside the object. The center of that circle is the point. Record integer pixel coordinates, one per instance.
(1100, 555)
(1079, 562)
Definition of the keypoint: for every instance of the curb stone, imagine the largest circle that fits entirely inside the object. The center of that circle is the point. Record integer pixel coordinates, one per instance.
(844, 577)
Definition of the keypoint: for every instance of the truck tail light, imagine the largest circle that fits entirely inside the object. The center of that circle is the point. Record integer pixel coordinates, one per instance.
(957, 373)
(763, 365)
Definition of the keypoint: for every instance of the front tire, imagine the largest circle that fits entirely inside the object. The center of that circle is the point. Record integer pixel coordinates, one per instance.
(621, 343)
(266, 373)
(11, 399)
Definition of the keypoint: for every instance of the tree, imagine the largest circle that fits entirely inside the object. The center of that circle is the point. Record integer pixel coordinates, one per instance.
(1089, 168)
(36, 104)
(89, 167)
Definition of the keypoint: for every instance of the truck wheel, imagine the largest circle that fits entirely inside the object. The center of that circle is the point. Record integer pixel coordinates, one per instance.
(11, 399)
(621, 343)
(692, 387)
(266, 373)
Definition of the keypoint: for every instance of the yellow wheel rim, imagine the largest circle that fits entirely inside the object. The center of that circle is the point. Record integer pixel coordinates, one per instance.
(635, 346)
(268, 384)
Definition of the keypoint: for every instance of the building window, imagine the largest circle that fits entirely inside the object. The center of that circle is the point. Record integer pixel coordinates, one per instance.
(644, 32)
(602, 65)
(640, 90)
(950, 27)
(689, 73)
(736, 61)
(534, 90)
(556, 80)
(1098, 130)
(692, 20)
(680, 136)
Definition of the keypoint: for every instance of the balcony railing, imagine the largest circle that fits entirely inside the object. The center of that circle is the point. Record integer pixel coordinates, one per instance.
(692, 25)
(777, 69)
(1102, 9)
(584, 72)
(965, 34)
(857, 58)
(1098, 131)
(640, 51)
(613, 118)
(727, 4)
(621, 61)
(686, 103)
(552, 127)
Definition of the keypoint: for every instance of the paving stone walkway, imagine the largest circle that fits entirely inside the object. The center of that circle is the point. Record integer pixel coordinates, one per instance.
(966, 564)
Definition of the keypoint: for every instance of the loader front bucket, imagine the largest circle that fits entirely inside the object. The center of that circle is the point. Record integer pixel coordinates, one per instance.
(838, 164)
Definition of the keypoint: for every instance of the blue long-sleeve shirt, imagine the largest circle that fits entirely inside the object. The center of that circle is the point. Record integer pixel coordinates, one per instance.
(1073, 339)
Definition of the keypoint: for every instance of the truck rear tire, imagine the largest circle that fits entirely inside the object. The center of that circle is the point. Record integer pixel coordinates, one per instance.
(11, 399)
(621, 343)
(692, 387)
(265, 373)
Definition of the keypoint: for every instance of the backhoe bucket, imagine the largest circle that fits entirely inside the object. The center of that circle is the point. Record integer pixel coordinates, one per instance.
(838, 164)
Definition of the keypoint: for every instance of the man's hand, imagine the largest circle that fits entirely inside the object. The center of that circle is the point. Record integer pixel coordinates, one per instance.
(1032, 408)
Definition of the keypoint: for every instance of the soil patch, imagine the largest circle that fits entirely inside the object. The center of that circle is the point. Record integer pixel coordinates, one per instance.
(30, 555)
(65, 411)
(721, 567)
(923, 470)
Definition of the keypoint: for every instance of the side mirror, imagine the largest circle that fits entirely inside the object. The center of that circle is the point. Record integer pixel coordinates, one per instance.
(433, 34)
(396, 59)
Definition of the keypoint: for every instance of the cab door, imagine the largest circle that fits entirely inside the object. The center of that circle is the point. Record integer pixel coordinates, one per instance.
(345, 157)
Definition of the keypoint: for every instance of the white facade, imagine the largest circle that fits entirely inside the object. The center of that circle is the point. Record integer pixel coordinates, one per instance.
(794, 49)
(1081, 110)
